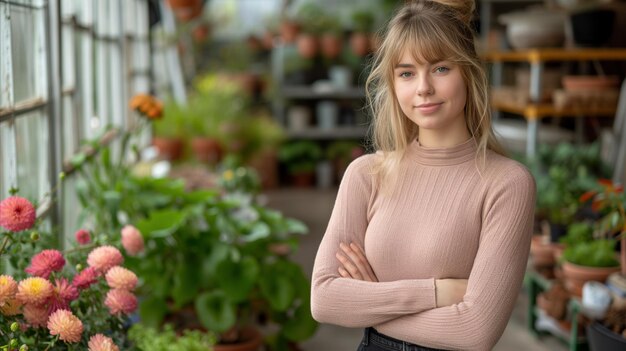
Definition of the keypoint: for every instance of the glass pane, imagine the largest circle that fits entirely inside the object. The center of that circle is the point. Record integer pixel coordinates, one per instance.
(69, 138)
(3, 168)
(67, 57)
(32, 145)
(70, 210)
(25, 54)
(7, 161)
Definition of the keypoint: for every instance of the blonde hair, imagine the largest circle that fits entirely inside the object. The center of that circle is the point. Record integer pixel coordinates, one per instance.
(433, 31)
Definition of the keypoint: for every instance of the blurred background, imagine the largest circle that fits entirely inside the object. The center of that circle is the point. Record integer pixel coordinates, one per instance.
(219, 131)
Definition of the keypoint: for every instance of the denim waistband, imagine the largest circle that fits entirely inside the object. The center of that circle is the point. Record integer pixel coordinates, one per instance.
(373, 336)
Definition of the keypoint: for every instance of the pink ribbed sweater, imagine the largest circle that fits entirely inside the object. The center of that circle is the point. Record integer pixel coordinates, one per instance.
(442, 219)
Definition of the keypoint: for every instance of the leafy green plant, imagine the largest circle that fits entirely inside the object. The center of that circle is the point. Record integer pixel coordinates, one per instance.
(596, 253)
(363, 21)
(311, 18)
(300, 156)
(579, 232)
(166, 339)
(172, 125)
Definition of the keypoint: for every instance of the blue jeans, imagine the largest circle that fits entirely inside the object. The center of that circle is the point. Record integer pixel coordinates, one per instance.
(375, 341)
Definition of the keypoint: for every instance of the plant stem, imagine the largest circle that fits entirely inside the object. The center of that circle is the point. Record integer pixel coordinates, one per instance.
(7, 237)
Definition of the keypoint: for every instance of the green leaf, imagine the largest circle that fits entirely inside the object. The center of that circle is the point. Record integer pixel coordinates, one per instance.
(186, 282)
(278, 289)
(296, 227)
(237, 278)
(152, 310)
(259, 231)
(215, 311)
(200, 196)
(161, 223)
(302, 326)
(78, 159)
(218, 253)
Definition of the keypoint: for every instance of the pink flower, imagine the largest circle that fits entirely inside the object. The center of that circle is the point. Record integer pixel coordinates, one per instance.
(85, 278)
(100, 342)
(132, 240)
(121, 278)
(66, 325)
(120, 301)
(46, 262)
(8, 288)
(34, 291)
(82, 237)
(17, 214)
(36, 316)
(104, 257)
(62, 295)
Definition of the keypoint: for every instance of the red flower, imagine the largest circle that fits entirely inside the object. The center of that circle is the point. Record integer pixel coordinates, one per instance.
(82, 237)
(17, 214)
(120, 301)
(46, 262)
(62, 295)
(587, 196)
(85, 278)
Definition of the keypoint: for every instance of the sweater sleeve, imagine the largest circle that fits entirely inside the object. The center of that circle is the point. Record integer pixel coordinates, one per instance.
(351, 302)
(477, 323)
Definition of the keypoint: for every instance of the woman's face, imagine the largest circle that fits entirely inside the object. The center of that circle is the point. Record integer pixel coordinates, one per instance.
(432, 95)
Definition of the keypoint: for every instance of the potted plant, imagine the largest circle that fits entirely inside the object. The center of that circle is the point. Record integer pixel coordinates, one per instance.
(169, 130)
(363, 26)
(146, 338)
(264, 136)
(331, 41)
(311, 18)
(300, 158)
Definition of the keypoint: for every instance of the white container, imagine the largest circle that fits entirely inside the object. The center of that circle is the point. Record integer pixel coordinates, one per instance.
(340, 76)
(596, 299)
(298, 118)
(324, 174)
(327, 114)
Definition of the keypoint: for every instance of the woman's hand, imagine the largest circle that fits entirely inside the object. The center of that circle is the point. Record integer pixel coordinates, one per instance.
(354, 264)
(450, 291)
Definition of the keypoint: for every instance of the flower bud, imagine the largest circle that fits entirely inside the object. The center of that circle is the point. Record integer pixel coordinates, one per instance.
(24, 347)
(79, 267)
(13, 343)
(61, 176)
(34, 236)
(15, 326)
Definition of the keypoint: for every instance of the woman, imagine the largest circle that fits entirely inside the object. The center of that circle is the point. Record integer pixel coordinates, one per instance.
(428, 240)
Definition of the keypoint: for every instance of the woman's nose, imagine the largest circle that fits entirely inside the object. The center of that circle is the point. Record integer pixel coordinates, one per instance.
(424, 88)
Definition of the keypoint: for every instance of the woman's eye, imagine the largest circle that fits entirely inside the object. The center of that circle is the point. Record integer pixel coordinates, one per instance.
(405, 75)
(441, 69)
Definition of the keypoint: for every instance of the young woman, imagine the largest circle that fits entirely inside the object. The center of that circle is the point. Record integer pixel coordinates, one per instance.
(428, 240)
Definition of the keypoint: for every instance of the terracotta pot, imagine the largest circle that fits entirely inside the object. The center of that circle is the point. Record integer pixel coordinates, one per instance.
(186, 10)
(251, 341)
(375, 41)
(201, 33)
(307, 45)
(206, 150)
(576, 276)
(542, 253)
(266, 165)
(169, 148)
(303, 180)
(289, 31)
(590, 83)
(360, 43)
(331, 45)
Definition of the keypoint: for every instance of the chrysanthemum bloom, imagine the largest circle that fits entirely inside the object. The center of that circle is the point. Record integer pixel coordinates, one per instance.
(104, 257)
(62, 295)
(100, 342)
(8, 288)
(36, 316)
(66, 325)
(85, 278)
(17, 214)
(120, 301)
(121, 278)
(11, 307)
(46, 262)
(132, 240)
(82, 237)
(34, 291)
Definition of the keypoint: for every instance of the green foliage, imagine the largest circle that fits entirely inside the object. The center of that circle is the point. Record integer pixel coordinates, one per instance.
(172, 125)
(363, 21)
(151, 339)
(300, 156)
(596, 253)
(580, 232)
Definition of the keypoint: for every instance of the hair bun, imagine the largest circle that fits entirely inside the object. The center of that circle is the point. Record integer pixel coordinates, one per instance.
(464, 8)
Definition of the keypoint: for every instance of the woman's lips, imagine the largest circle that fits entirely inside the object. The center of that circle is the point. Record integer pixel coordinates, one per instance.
(428, 108)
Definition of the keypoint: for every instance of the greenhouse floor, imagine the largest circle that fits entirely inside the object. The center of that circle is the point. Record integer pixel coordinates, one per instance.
(313, 207)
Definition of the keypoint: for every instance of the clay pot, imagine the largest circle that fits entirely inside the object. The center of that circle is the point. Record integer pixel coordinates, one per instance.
(170, 149)
(360, 43)
(186, 10)
(590, 83)
(542, 253)
(331, 45)
(206, 150)
(303, 180)
(576, 276)
(289, 31)
(251, 341)
(307, 45)
(266, 165)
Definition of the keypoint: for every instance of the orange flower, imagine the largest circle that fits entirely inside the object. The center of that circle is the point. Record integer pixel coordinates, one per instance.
(66, 325)
(11, 307)
(8, 288)
(587, 196)
(34, 291)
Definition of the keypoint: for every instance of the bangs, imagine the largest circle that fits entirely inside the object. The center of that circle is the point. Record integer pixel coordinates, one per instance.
(427, 43)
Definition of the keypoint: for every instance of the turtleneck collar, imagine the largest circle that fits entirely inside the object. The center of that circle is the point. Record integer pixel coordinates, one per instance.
(443, 156)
